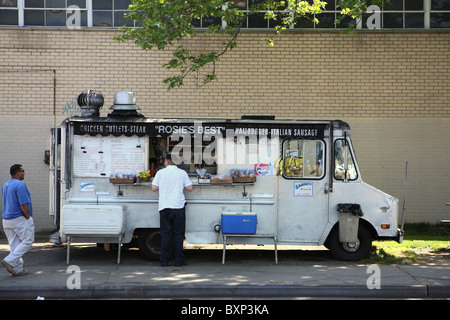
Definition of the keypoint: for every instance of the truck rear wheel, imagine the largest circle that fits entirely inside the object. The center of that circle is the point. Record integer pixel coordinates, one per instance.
(149, 243)
(353, 251)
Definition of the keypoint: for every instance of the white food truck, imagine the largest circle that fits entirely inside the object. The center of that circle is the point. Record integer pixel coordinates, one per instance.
(257, 180)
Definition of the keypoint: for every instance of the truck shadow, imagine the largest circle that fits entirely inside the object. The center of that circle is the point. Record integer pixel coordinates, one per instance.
(91, 253)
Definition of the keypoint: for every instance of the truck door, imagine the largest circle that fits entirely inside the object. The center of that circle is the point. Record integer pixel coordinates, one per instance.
(55, 175)
(302, 194)
(349, 188)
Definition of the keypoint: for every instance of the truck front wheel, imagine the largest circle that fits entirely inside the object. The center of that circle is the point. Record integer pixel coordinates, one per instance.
(149, 243)
(353, 251)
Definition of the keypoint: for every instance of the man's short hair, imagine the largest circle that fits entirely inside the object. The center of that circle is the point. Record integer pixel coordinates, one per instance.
(14, 169)
(169, 158)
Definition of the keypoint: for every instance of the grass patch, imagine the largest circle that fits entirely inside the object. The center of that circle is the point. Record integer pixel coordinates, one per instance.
(421, 243)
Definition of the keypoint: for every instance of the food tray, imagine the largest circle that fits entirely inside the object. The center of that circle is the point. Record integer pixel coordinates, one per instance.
(244, 179)
(122, 180)
(221, 181)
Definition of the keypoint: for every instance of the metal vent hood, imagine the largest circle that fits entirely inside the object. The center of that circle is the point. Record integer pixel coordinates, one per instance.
(124, 105)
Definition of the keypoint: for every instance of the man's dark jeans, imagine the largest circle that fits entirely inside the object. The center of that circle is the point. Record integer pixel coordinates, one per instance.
(172, 228)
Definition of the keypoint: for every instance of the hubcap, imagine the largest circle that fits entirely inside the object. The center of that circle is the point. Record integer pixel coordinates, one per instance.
(154, 242)
(351, 246)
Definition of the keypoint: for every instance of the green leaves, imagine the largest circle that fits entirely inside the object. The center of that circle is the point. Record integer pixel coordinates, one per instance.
(187, 63)
(165, 23)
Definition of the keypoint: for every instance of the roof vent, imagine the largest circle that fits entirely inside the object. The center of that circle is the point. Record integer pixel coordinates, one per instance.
(90, 103)
(124, 104)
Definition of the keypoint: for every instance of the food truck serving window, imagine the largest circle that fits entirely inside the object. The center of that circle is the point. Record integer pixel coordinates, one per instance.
(303, 159)
(339, 165)
(192, 154)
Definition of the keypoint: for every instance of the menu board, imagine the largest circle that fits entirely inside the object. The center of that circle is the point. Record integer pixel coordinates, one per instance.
(104, 156)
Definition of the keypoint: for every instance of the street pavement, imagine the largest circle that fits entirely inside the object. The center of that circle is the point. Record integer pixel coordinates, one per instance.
(249, 272)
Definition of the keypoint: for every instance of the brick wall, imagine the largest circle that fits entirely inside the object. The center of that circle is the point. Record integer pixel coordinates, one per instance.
(383, 145)
(392, 88)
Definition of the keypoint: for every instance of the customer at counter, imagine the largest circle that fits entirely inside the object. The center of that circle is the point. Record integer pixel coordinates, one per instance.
(171, 182)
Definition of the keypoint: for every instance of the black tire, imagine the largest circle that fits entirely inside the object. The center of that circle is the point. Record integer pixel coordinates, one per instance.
(149, 243)
(350, 251)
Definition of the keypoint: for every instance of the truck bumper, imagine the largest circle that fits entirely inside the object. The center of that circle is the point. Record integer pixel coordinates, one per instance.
(398, 237)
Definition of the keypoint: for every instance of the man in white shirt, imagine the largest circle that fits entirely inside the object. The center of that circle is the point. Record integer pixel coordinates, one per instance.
(171, 182)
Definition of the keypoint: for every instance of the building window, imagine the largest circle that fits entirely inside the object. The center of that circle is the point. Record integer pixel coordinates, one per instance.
(397, 14)
(206, 22)
(110, 13)
(52, 13)
(440, 14)
(252, 21)
(9, 13)
(327, 19)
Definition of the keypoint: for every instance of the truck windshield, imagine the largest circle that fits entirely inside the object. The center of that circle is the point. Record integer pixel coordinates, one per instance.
(303, 159)
(339, 170)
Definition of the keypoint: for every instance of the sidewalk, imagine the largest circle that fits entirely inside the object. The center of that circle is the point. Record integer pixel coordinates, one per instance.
(306, 273)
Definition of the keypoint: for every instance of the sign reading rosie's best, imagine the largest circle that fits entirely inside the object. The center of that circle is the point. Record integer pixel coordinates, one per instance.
(165, 129)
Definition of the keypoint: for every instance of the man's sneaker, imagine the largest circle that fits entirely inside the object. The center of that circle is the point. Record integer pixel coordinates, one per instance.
(24, 272)
(9, 268)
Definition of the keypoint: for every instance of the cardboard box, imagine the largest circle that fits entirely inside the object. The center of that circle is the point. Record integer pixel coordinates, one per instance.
(239, 223)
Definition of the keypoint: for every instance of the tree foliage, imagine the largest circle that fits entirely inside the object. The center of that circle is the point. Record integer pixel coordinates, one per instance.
(164, 24)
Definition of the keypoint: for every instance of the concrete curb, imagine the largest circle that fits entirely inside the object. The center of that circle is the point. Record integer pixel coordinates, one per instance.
(220, 291)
